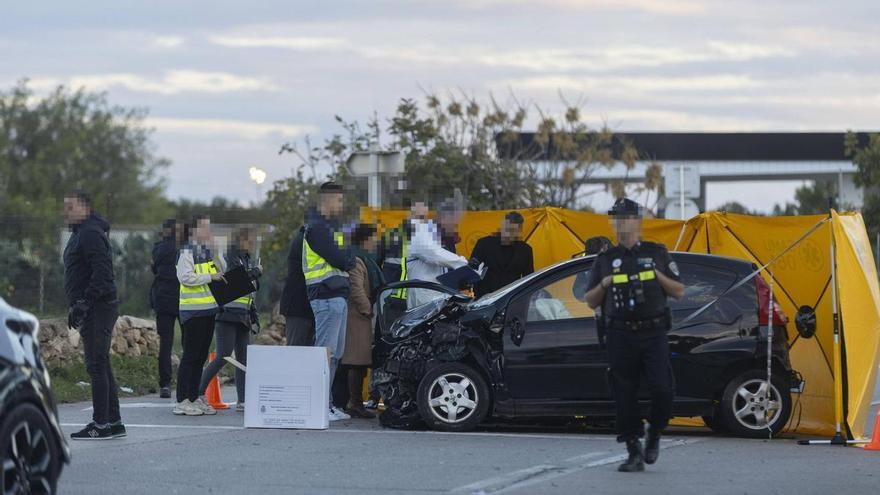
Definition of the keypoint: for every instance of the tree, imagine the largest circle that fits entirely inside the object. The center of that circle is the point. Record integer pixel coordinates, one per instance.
(736, 207)
(865, 154)
(69, 140)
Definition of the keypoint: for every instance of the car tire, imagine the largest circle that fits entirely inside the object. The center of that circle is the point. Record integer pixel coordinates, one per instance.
(453, 397)
(25, 426)
(744, 405)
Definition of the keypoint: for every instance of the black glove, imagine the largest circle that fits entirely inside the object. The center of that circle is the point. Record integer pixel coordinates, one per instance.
(77, 313)
(474, 263)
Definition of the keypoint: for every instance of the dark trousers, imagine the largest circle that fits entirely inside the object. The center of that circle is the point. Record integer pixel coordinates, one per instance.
(633, 356)
(348, 385)
(165, 328)
(300, 330)
(97, 333)
(231, 336)
(196, 336)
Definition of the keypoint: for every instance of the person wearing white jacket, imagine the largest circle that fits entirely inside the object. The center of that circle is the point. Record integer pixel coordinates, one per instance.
(426, 258)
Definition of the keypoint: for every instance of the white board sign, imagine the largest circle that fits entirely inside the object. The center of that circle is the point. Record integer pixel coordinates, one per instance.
(672, 180)
(287, 387)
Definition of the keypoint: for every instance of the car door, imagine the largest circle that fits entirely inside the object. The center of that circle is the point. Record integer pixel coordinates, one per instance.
(551, 348)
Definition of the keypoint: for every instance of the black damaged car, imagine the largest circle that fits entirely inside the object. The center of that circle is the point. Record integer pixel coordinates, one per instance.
(532, 350)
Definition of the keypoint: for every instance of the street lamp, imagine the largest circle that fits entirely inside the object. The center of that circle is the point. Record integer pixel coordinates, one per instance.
(258, 175)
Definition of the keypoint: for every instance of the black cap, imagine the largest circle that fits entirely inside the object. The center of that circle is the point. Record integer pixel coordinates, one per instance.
(625, 207)
(330, 187)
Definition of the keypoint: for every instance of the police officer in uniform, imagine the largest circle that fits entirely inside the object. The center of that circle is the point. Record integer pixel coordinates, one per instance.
(631, 282)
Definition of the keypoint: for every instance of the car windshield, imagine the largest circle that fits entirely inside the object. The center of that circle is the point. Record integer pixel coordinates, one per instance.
(409, 321)
(491, 297)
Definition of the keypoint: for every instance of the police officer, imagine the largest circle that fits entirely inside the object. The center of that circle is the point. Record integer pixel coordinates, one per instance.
(631, 282)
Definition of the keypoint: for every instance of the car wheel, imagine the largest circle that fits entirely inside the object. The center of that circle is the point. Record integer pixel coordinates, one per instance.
(749, 407)
(453, 397)
(30, 462)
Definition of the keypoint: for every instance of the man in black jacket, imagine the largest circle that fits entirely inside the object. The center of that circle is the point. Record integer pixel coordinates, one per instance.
(91, 292)
(507, 258)
(164, 299)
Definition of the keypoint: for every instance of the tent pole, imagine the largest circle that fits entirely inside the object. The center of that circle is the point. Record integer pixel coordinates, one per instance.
(770, 314)
(838, 438)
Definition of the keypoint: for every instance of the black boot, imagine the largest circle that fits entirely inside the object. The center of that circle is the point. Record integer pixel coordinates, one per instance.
(635, 462)
(652, 446)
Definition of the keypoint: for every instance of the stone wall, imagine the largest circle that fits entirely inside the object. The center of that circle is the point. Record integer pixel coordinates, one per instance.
(133, 337)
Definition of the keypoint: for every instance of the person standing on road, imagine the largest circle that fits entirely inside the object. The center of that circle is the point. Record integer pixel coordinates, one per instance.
(325, 266)
(91, 293)
(631, 281)
(164, 299)
(294, 305)
(197, 308)
(236, 320)
(506, 256)
(366, 277)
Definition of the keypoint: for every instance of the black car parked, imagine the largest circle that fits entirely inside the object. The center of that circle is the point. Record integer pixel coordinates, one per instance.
(531, 349)
(32, 447)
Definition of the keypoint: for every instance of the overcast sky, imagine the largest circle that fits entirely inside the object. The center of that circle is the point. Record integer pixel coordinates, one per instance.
(226, 82)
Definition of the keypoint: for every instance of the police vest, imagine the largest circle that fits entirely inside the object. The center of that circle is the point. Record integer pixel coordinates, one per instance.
(199, 297)
(315, 268)
(404, 245)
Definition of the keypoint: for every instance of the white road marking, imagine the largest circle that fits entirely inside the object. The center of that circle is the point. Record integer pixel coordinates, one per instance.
(194, 427)
(139, 405)
(541, 473)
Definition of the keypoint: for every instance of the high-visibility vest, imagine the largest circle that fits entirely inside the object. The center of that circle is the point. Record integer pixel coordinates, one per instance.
(401, 293)
(315, 268)
(198, 298)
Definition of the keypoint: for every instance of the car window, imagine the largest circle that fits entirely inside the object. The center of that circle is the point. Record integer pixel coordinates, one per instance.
(702, 284)
(560, 300)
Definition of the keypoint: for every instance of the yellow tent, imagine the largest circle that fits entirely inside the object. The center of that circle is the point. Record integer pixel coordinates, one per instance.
(800, 276)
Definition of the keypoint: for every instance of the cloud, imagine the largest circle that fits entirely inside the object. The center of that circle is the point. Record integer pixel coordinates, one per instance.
(664, 7)
(248, 130)
(168, 41)
(173, 82)
(628, 85)
(302, 43)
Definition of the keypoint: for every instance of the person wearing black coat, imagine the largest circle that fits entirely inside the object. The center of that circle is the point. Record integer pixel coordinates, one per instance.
(164, 299)
(299, 319)
(91, 292)
(506, 257)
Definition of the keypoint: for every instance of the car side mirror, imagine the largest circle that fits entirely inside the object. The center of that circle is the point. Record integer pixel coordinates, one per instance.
(805, 321)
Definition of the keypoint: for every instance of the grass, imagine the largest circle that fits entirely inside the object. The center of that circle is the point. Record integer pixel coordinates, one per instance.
(141, 374)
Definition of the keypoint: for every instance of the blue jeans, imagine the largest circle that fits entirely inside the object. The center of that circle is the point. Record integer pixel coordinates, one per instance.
(331, 316)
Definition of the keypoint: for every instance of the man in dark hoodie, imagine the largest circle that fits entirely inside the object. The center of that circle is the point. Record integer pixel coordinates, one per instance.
(299, 320)
(325, 265)
(164, 299)
(91, 292)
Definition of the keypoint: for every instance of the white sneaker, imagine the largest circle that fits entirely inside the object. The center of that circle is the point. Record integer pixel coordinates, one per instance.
(203, 406)
(186, 408)
(337, 414)
(239, 407)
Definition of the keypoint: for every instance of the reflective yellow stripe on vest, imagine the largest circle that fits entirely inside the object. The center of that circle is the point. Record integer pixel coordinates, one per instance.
(199, 297)
(243, 303)
(401, 293)
(315, 268)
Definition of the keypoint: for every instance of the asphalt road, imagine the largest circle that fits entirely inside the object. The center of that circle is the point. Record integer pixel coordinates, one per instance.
(167, 454)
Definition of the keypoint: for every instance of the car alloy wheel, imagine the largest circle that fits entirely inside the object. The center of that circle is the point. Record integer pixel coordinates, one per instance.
(757, 404)
(27, 462)
(453, 398)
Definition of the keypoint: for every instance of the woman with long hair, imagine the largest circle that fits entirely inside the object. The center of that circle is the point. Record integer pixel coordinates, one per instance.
(365, 278)
(237, 319)
(196, 268)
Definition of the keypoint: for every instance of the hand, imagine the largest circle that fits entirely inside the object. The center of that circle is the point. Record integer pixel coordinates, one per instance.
(606, 282)
(218, 276)
(77, 313)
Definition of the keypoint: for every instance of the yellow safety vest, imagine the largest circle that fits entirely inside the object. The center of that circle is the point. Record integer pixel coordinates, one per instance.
(243, 303)
(198, 298)
(401, 293)
(315, 268)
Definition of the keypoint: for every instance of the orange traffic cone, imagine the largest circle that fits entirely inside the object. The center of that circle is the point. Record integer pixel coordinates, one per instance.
(874, 444)
(215, 400)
